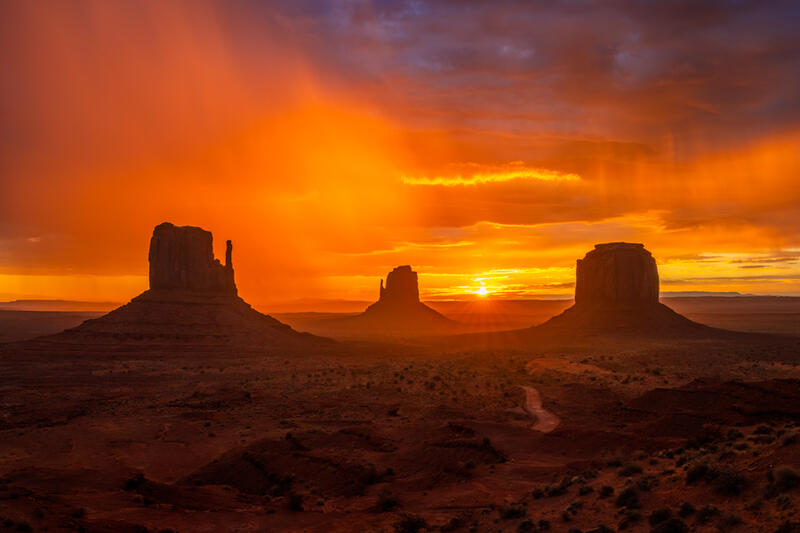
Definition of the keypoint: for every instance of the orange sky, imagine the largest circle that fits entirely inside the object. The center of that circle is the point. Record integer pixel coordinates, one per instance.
(487, 147)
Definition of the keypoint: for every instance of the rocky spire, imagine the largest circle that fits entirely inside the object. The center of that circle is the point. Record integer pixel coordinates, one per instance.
(182, 258)
(401, 286)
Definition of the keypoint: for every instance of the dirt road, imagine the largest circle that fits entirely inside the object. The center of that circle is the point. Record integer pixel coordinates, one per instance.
(545, 420)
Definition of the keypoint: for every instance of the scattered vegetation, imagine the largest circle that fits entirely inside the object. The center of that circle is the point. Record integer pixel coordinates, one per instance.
(782, 479)
(629, 469)
(723, 480)
(294, 501)
(673, 525)
(629, 497)
(659, 515)
(386, 502)
(512, 511)
(410, 523)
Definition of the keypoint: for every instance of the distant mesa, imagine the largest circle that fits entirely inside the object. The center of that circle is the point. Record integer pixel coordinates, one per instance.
(616, 294)
(402, 288)
(398, 311)
(616, 298)
(617, 274)
(192, 302)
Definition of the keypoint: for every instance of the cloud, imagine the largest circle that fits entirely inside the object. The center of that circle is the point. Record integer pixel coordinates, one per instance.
(334, 140)
(480, 174)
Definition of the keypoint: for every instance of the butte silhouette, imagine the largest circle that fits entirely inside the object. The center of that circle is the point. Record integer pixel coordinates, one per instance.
(616, 297)
(616, 294)
(192, 302)
(398, 311)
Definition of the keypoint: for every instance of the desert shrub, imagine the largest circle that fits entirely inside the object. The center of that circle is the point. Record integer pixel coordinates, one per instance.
(728, 522)
(708, 435)
(629, 469)
(629, 518)
(788, 527)
(659, 515)
(723, 480)
(551, 491)
(386, 502)
(461, 429)
(512, 511)
(784, 478)
(763, 430)
(589, 474)
(615, 463)
(606, 491)
(629, 497)
(673, 525)
(734, 434)
(646, 483)
(526, 526)
(294, 501)
(705, 514)
(454, 524)
(410, 523)
(370, 476)
(687, 509)
(586, 489)
(783, 503)
(696, 473)
(728, 482)
(575, 506)
(134, 482)
(544, 525)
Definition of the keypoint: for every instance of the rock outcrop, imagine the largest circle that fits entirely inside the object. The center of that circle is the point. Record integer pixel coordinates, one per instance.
(617, 274)
(192, 304)
(616, 294)
(397, 313)
(402, 287)
(616, 298)
(182, 258)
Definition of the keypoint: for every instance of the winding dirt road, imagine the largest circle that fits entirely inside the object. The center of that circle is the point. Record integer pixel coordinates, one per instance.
(545, 420)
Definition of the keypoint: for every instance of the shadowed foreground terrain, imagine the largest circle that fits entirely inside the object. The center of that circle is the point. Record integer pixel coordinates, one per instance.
(377, 437)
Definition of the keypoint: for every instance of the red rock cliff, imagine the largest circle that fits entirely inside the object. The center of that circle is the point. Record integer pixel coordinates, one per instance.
(617, 274)
(182, 258)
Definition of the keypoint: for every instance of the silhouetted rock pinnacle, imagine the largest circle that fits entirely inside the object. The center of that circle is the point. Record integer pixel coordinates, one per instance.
(401, 287)
(397, 313)
(183, 258)
(192, 302)
(617, 274)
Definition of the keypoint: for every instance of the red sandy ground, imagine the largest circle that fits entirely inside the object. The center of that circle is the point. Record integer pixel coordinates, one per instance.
(371, 437)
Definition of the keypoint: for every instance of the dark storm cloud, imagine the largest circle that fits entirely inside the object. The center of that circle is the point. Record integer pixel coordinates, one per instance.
(730, 69)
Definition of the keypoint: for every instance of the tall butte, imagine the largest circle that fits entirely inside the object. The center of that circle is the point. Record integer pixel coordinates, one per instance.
(616, 294)
(182, 259)
(192, 303)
